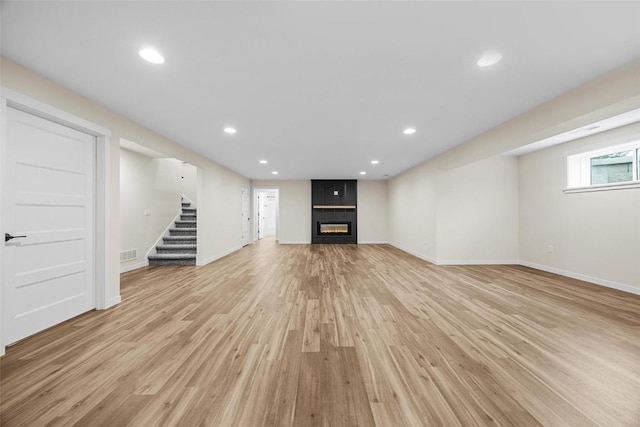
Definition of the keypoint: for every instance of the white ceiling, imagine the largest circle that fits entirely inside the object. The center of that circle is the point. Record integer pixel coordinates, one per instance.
(319, 89)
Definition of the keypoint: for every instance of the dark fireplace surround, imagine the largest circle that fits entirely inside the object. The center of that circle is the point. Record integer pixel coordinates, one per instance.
(334, 211)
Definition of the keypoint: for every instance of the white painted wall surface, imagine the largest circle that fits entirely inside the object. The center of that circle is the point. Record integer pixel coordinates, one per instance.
(295, 209)
(372, 212)
(146, 184)
(412, 211)
(594, 235)
(415, 195)
(136, 183)
(478, 213)
(219, 214)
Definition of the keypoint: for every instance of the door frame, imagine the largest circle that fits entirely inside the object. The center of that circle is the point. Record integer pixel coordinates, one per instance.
(102, 274)
(258, 189)
(249, 237)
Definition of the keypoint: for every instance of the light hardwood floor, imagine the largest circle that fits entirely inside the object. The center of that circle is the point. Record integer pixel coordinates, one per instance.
(335, 335)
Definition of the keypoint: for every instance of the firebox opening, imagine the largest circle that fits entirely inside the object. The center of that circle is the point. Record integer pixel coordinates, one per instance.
(334, 228)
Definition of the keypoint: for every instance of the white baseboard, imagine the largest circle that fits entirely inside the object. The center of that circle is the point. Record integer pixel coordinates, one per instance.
(127, 268)
(595, 280)
(308, 242)
(206, 261)
(479, 262)
(371, 242)
(113, 301)
(584, 277)
(415, 254)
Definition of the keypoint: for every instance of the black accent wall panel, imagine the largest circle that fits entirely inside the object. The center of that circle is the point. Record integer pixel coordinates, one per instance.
(334, 193)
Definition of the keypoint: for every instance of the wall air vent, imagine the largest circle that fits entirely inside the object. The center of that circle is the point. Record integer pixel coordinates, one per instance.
(128, 255)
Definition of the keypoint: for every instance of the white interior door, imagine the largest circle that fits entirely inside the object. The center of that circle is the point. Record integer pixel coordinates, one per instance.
(270, 214)
(48, 188)
(245, 216)
(261, 218)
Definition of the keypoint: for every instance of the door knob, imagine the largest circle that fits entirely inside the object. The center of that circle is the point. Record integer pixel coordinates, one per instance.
(8, 237)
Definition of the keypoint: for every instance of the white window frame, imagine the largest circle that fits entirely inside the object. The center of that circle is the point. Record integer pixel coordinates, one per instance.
(579, 169)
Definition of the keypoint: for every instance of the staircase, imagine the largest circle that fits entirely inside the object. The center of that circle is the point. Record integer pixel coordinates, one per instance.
(179, 248)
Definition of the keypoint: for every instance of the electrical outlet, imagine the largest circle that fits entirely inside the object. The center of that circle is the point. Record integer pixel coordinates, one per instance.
(550, 249)
(147, 212)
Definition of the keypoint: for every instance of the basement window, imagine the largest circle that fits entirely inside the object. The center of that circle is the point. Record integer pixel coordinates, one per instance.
(609, 168)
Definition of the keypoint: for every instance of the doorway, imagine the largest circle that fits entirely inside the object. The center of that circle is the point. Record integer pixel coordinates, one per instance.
(53, 168)
(246, 210)
(266, 209)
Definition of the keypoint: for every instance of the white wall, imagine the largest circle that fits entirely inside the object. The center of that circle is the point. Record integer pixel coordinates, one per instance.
(423, 206)
(295, 209)
(164, 199)
(477, 220)
(219, 213)
(594, 235)
(372, 212)
(412, 211)
(135, 183)
(146, 184)
(463, 215)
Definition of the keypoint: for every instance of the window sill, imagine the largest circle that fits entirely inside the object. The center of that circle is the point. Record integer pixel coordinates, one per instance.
(602, 187)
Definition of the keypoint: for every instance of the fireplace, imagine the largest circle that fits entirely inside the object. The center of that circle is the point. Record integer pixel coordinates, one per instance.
(334, 211)
(332, 228)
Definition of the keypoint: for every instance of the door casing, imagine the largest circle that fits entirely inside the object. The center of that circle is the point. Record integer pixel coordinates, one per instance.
(18, 101)
(258, 189)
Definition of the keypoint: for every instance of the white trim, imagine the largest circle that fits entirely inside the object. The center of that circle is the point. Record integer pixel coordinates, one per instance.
(102, 279)
(128, 268)
(37, 108)
(373, 243)
(415, 254)
(602, 187)
(478, 262)
(249, 239)
(306, 242)
(3, 121)
(597, 281)
(218, 256)
(113, 301)
(102, 227)
(579, 167)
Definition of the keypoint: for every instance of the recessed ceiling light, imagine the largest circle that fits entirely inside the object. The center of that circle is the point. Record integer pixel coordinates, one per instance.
(363, 173)
(151, 55)
(275, 172)
(375, 162)
(230, 130)
(489, 58)
(264, 162)
(409, 131)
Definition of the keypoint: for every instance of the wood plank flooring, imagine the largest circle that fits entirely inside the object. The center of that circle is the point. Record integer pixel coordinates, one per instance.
(335, 335)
